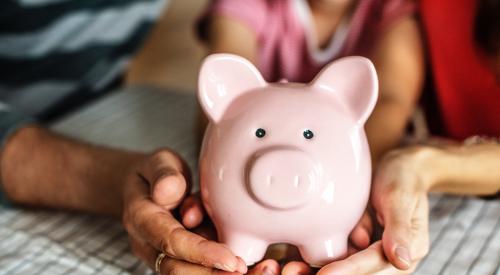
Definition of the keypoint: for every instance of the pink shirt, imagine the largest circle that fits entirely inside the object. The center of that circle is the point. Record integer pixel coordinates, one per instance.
(286, 37)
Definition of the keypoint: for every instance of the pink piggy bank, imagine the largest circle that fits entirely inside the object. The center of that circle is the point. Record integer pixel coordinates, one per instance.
(286, 162)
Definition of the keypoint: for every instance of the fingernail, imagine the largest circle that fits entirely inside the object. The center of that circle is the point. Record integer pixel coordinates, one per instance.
(188, 218)
(268, 271)
(403, 255)
(225, 267)
(242, 266)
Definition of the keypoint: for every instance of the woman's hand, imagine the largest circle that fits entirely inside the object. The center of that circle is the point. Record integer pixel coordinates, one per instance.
(399, 197)
(399, 200)
(359, 239)
(152, 191)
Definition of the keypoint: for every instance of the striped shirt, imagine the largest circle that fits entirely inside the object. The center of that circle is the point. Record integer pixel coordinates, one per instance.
(53, 49)
(58, 53)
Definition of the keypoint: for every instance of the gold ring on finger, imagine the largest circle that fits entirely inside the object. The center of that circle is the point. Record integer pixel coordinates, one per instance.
(158, 261)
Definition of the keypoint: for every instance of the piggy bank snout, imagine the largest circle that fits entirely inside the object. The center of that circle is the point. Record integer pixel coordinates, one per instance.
(282, 178)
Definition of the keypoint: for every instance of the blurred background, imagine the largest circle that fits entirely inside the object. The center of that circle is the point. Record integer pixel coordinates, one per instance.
(171, 55)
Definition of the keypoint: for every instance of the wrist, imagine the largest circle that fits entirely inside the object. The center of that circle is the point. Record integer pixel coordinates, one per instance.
(21, 139)
(428, 161)
(110, 168)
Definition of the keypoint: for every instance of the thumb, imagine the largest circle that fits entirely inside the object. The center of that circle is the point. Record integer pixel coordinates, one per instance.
(165, 172)
(396, 217)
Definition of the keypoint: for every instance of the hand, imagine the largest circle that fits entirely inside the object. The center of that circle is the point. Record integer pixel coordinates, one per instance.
(399, 198)
(358, 239)
(153, 189)
(192, 215)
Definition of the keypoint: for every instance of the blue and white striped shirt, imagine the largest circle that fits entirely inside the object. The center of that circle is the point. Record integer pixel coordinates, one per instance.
(58, 53)
(52, 49)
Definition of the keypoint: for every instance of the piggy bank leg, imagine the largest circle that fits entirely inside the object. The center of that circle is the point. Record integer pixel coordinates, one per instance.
(250, 249)
(324, 251)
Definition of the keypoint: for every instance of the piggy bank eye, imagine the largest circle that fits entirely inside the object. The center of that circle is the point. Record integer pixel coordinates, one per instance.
(308, 134)
(260, 133)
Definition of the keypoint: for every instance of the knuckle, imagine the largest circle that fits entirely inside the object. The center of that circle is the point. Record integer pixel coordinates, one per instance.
(165, 247)
(129, 215)
(161, 155)
(136, 249)
(168, 244)
(392, 190)
(135, 217)
(351, 265)
(423, 251)
(165, 164)
(170, 268)
(204, 259)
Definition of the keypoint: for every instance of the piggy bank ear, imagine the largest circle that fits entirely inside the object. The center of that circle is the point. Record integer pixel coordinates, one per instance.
(224, 77)
(354, 81)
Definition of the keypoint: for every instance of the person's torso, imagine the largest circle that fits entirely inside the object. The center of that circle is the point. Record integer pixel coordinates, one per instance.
(287, 43)
(50, 49)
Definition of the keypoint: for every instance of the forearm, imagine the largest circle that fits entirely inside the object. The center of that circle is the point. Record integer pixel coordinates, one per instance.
(45, 169)
(398, 59)
(227, 35)
(386, 127)
(473, 169)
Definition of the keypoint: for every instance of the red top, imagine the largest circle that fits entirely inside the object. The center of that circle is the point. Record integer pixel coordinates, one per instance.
(467, 92)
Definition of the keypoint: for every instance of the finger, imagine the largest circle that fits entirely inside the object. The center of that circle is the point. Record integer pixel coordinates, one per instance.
(420, 226)
(267, 267)
(166, 174)
(179, 243)
(145, 252)
(362, 232)
(296, 268)
(293, 254)
(351, 250)
(368, 261)
(396, 238)
(395, 209)
(159, 228)
(148, 255)
(192, 211)
(206, 230)
(171, 266)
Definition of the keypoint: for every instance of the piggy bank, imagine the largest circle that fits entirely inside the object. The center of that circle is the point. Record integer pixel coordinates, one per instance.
(286, 162)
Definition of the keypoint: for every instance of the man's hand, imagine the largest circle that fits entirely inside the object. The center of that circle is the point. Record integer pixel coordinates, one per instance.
(192, 214)
(152, 191)
(45, 169)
